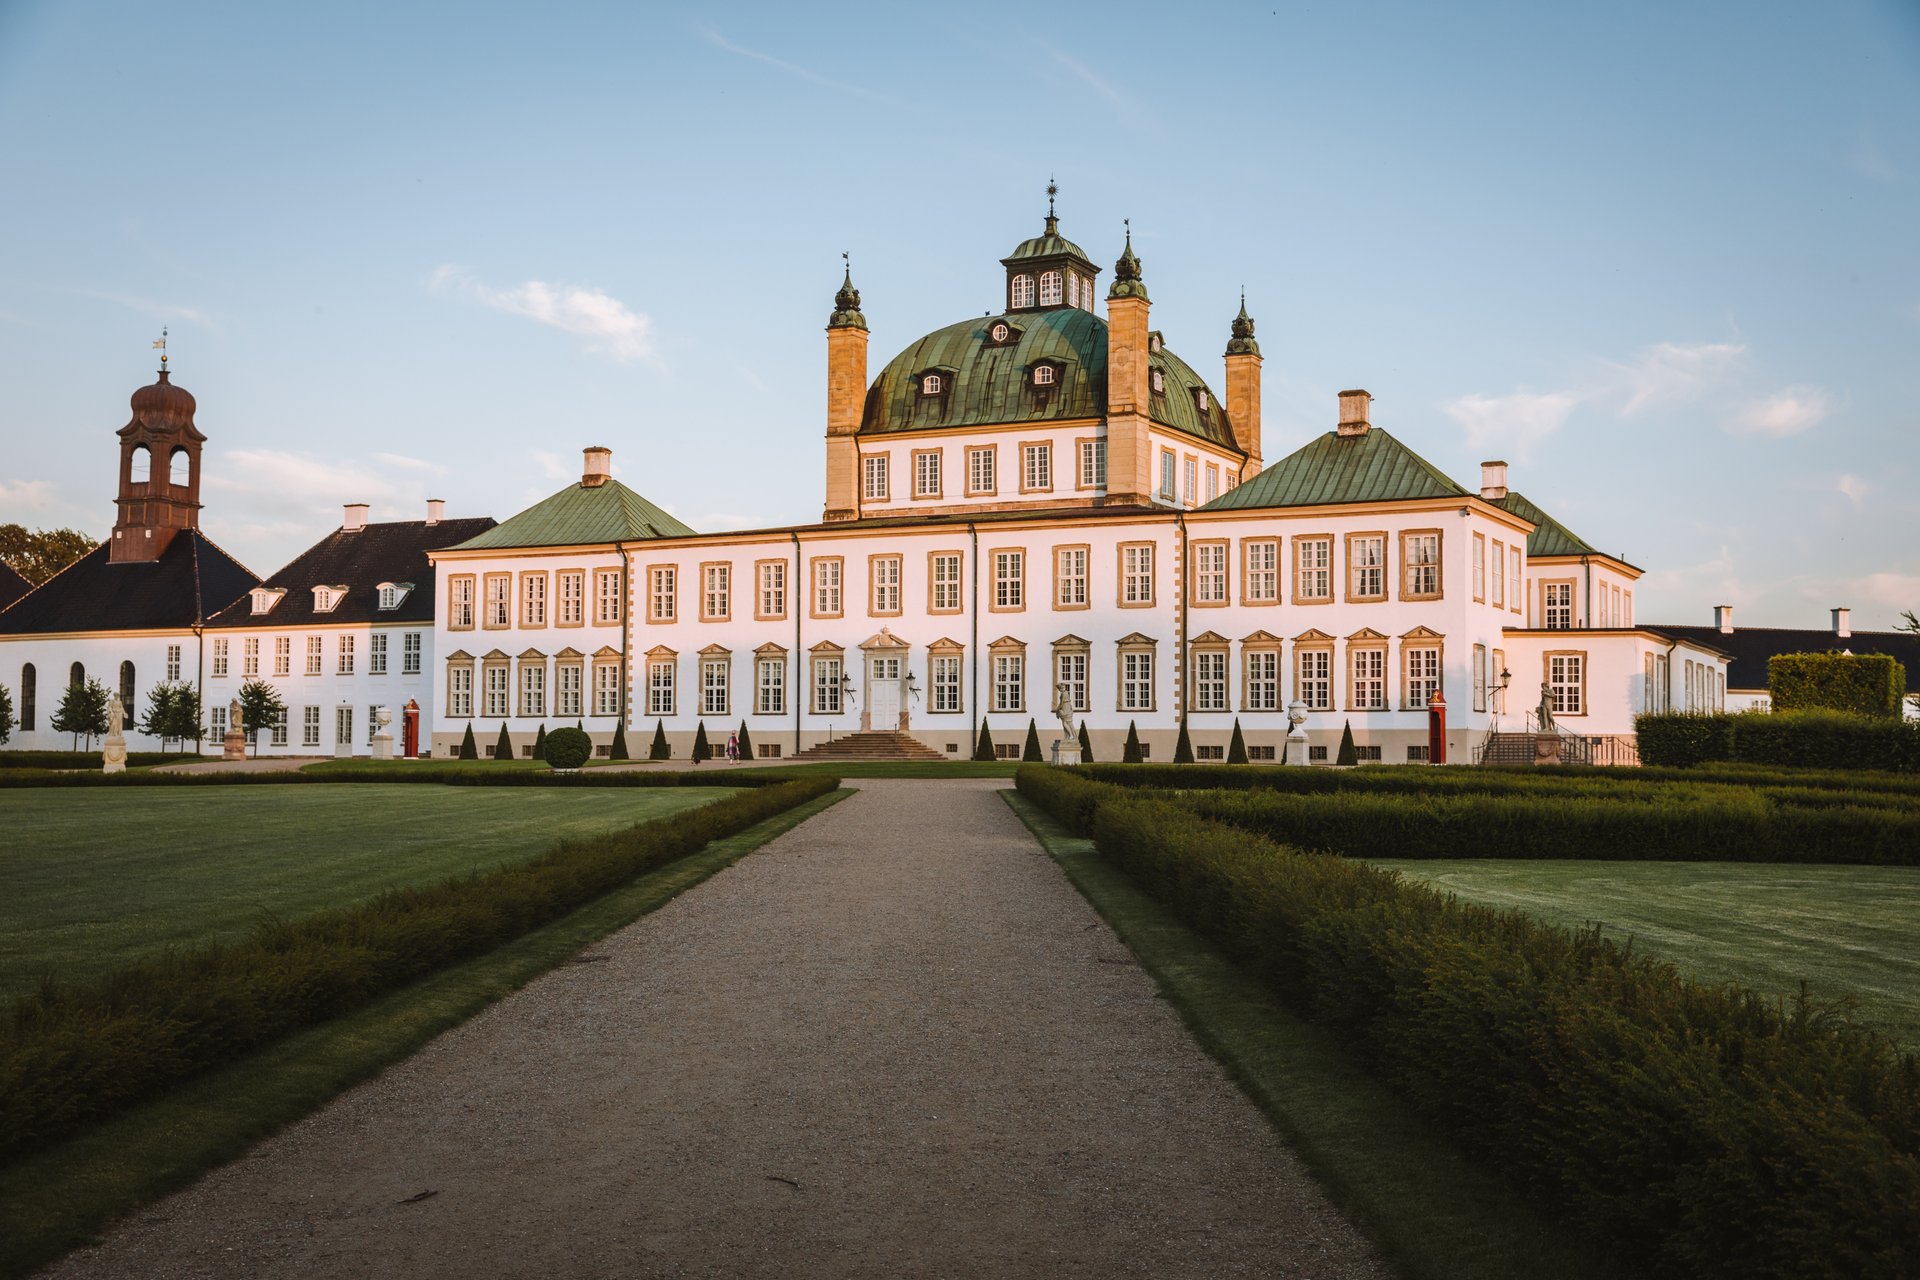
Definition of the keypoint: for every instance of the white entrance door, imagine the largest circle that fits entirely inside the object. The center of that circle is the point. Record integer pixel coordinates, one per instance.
(343, 731)
(883, 693)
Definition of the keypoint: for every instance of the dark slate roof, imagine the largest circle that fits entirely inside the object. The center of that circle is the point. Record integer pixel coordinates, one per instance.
(192, 580)
(1751, 647)
(12, 585)
(577, 514)
(991, 384)
(1370, 467)
(1549, 536)
(360, 561)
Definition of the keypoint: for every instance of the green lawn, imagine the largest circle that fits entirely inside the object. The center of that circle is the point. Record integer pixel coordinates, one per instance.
(1845, 930)
(91, 878)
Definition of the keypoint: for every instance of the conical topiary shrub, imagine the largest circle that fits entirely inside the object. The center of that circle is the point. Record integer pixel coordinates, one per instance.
(1086, 745)
(746, 742)
(983, 745)
(618, 751)
(1237, 748)
(701, 750)
(1030, 753)
(540, 742)
(1130, 754)
(1347, 754)
(469, 749)
(659, 750)
(1183, 746)
(503, 746)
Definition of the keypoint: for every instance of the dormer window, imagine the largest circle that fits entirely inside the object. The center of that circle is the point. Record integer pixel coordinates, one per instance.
(392, 593)
(264, 598)
(932, 385)
(1049, 288)
(1044, 375)
(1000, 332)
(1200, 398)
(327, 599)
(1022, 292)
(1153, 343)
(1159, 380)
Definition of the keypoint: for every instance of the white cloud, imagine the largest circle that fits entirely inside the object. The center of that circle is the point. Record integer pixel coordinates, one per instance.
(167, 311)
(1897, 592)
(401, 462)
(1852, 488)
(612, 329)
(719, 41)
(1716, 579)
(34, 495)
(1786, 412)
(1674, 372)
(1511, 424)
(273, 485)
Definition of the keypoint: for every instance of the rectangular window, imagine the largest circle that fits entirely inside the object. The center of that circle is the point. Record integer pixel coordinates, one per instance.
(459, 695)
(566, 689)
(1366, 566)
(771, 589)
(1260, 578)
(1093, 464)
(250, 657)
(1480, 566)
(377, 653)
(571, 586)
(1213, 481)
(946, 684)
(533, 599)
(606, 595)
(1009, 682)
(1423, 677)
(1070, 577)
(1367, 755)
(1566, 683)
(1167, 464)
(1136, 573)
(770, 687)
(606, 689)
(1191, 473)
(494, 683)
(826, 686)
(944, 577)
(1209, 751)
(1369, 679)
(716, 592)
(533, 689)
(1497, 677)
(279, 735)
(217, 720)
(1419, 565)
(346, 656)
(1313, 570)
(220, 656)
(499, 589)
(460, 602)
(660, 687)
(1036, 467)
(874, 468)
(1263, 680)
(1514, 595)
(1209, 573)
(926, 473)
(282, 655)
(980, 471)
(1556, 599)
(1313, 668)
(1499, 579)
(1479, 677)
(1136, 680)
(313, 655)
(1210, 680)
(1009, 580)
(1070, 674)
(410, 654)
(826, 588)
(714, 673)
(884, 585)
(173, 663)
(661, 602)
(310, 716)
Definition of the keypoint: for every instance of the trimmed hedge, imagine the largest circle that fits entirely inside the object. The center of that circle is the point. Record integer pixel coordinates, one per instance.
(478, 776)
(86, 759)
(566, 748)
(1799, 739)
(1865, 684)
(1708, 1130)
(73, 1054)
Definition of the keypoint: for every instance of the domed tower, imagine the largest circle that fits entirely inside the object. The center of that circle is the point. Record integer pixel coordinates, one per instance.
(846, 394)
(1243, 389)
(159, 473)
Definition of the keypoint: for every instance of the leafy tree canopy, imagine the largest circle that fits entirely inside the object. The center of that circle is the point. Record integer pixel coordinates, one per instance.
(82, 711)
(38, 554)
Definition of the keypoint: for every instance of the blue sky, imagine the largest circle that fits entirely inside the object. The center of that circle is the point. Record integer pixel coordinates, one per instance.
(1662, 258)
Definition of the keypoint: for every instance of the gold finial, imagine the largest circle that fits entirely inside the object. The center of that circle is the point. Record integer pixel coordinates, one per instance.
(1053, 189)
(161, 344)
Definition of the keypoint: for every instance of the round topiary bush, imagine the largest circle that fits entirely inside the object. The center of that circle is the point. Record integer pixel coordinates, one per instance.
(568, 749)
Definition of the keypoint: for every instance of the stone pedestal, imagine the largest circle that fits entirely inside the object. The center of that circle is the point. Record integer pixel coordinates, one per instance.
(383, 746)
(233, 746)
(1546, 748)
(1066, 751)
(113, 754)
(1297, 747)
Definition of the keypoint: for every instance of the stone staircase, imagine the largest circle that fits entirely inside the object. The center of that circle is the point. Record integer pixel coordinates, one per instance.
(873, 745)
(1519, 748)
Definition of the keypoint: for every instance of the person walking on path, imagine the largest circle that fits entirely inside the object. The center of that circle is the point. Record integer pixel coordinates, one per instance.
(733, 748)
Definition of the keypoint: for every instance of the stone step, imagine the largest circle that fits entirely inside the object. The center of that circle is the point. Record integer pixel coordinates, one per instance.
(871, 745)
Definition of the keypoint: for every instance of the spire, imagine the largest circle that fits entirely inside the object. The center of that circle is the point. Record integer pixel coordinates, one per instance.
(846, 303)
(1126, 272)
(1242, 343)
(1053, 219)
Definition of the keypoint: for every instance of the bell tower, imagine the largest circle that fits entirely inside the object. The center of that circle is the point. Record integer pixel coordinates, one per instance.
(159, 473)
(846, 398)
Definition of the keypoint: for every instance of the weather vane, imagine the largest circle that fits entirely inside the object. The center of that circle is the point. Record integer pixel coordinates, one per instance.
(161, 344)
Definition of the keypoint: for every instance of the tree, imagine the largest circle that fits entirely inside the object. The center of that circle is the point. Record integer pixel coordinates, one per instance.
(618, 751)
(38, 555)
(1237, 748)
(746, 742)
(469, 749)
(1031, 751)
(659, 750)
(1131, 753)
(1183, 745)
(6, 714)
(260, 707)
(503, 745)
(1910, 622)
(540, 742)
(173, 711)
(82, 711)
(983, 745)
(1347, 754)
(701, 749)
(1086, 745)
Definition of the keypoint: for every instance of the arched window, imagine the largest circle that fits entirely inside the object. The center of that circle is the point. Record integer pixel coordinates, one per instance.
(1023, 291)
(1159, 381)
(76, 674)
(180, 468)
(1073, 289)
(126, 689)
(140, 469)
(1043, 375)
(1049, 288)
(931, 385)
(29, 696)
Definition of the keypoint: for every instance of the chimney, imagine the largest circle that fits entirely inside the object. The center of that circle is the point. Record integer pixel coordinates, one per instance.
(436, 510)
(1493, 481)
(1843, 623)
(1353, 413)
(599, 466)
(355, 518)
(1723, 619)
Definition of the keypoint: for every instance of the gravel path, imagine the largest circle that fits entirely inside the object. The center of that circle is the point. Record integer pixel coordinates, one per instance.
(893, 1042)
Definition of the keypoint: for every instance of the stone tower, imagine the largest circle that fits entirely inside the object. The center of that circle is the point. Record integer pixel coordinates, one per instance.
(159, 473)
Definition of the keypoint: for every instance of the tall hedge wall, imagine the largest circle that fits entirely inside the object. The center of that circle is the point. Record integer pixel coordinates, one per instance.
(1866, 684)
(1802, 739)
